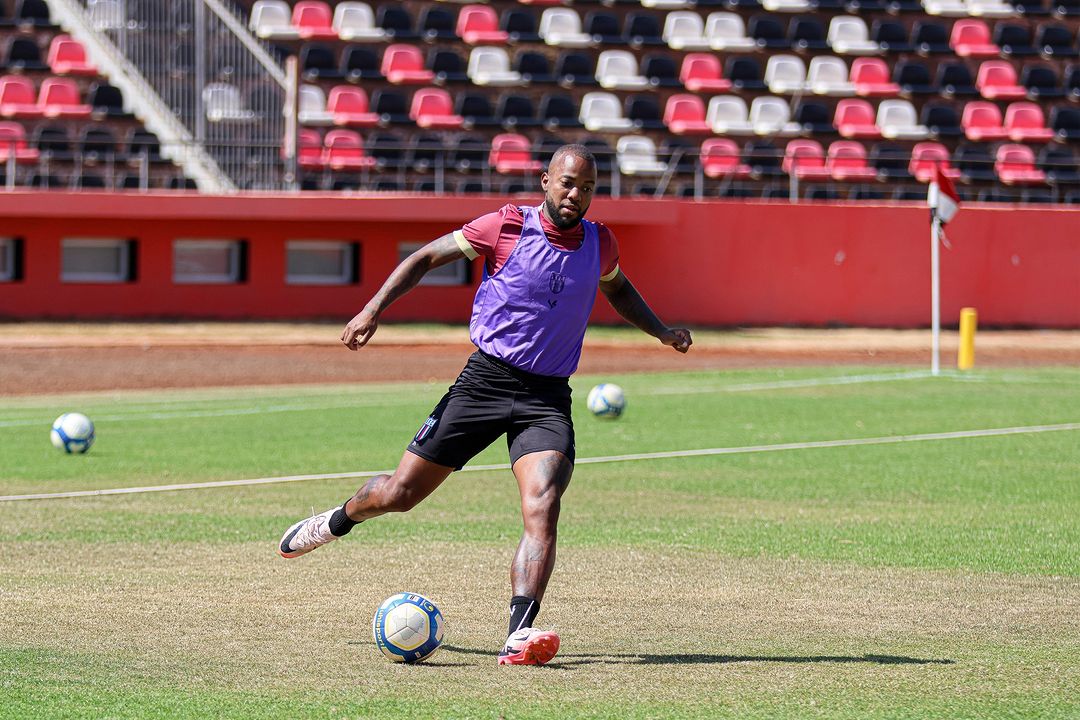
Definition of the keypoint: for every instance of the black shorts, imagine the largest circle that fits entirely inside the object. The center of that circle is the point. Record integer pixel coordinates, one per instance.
(491, 398)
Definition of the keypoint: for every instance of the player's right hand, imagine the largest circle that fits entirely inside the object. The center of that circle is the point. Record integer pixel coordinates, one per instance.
(359, 330)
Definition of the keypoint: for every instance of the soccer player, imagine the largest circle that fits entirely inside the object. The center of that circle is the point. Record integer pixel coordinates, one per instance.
(542, 269)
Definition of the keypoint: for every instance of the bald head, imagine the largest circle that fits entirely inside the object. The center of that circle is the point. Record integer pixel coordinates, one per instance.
(578, 151)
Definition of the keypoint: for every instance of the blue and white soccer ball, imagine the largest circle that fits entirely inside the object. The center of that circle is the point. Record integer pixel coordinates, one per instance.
(606, 401)
(73, 433)
(408, 628)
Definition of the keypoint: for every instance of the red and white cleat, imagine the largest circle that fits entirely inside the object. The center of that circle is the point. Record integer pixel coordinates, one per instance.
(529, 646)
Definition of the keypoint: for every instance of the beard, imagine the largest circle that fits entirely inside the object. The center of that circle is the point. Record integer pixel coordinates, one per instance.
(557, 219)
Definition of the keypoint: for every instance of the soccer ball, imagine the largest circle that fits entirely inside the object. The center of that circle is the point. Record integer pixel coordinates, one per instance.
(408, 628)
(606, 400)
(72, 433)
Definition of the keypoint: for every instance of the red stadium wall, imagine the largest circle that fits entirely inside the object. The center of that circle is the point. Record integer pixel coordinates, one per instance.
(717, 263)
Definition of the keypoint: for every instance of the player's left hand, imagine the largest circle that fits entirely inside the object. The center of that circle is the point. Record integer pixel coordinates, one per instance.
(678, 338)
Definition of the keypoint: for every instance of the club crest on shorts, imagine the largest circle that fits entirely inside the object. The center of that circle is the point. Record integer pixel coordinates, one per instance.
(425, 429)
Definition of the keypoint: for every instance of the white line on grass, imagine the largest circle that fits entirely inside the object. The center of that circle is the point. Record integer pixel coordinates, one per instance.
(851, 442)
(807, 382)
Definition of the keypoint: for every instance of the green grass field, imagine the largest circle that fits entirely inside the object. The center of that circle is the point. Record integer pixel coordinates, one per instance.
(932, 578)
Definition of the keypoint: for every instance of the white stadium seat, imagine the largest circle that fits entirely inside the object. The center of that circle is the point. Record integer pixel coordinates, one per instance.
(785, 74)
(898, 119)
(636, 155)
(272, 20)
(785, 5)
(849, 35)
(685, 31)
(828, 75)
(312, 106)
(224, 104)
(727, 31)
(727, 114)
(490, 66)
(603, 111)
(618, 70)
(772, 116)
(355, 22)
(561, 27)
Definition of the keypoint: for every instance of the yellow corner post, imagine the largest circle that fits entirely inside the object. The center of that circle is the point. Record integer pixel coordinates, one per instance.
(965, 357)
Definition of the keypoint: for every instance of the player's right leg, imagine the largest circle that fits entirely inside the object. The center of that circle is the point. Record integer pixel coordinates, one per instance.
(414, 479)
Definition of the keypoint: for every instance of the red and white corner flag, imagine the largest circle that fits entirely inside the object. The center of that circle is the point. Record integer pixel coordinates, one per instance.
(942, 197)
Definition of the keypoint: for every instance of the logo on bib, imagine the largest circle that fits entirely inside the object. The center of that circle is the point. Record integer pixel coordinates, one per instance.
(558, 282)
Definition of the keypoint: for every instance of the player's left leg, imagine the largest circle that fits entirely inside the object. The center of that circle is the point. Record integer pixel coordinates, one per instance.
(542, 478)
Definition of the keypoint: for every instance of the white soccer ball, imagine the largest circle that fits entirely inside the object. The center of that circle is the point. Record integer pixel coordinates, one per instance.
(606, 401)
(408, 628)
(72, 433)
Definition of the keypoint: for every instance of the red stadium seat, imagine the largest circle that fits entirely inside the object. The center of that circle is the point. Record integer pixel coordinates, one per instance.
(68, 57)
(314, 19)
(479, 24)
(348, 105)
(13, 142)
(870, 76)
(344, 150)
(684, 114)
(720, 158)
(404, 65)
(59, 98)
(701, 72)
(926, 156)
(805, 159)
(512, 153)
(433, 108)
(855, 119)
(1024, 121)
(971, 38)
(18, 97)
(309, 149)
(846, 160)
(1015, 165)
(982, 121)
(997, 81)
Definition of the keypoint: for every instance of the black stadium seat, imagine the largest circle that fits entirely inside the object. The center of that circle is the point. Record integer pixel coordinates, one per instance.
(534, 67)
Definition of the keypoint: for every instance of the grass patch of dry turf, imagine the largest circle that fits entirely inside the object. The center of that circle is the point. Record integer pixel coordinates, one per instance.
(938, 579)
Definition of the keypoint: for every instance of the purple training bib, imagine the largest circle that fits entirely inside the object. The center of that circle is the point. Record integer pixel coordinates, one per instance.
(532, 313)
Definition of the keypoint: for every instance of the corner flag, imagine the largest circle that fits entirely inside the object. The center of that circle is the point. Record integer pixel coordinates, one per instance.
(942, 197)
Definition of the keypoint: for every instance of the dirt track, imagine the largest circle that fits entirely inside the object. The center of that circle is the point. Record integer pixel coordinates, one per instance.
(37, 358)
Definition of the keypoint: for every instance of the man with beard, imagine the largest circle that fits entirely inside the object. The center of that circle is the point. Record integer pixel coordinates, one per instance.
(543, 266)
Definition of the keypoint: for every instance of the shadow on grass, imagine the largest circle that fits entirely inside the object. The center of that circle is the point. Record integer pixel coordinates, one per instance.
(570, 659)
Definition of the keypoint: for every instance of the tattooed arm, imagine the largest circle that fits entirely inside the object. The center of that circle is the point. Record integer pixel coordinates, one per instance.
(627, 301)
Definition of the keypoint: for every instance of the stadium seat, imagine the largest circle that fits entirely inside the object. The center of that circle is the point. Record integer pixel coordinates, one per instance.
(271, 20)
(636, 155)
(642, 29)
(344, 150)
(701, 72)
(13, 144)
(898, 120)
(660, 69)
(946, 8)
(891, 37)
(433, 108)
(971, 38)
(53, 141)
(763, 158)
(727, 33)
(404, 65)
(360, 63)
(846, 161)
(974, 162)
(982, 122)
(913, 77)
(512, 153)
(516, 111)
(437, 24)
(849, 36)
(397, 23)
(1065, 122)
(224, 103)
(1055, 41)
(855, 119)
(767, 32)
(107, 100)
(311, 106)
(807, 34)
(997, 81)
(23, 55)
(97, 145)
(309, 153)
(870, 76)
(476, 109)
(684, 114)
(1014, 40)
(533, 67)
(727, 114)
(941, 120)
(828, 75)
(1025, 122)
(642, 110)
(1041, 82)
(930, 37)
(1060, 165)
(925, 157)
(561, 27)
(575, 69)
(601, 111)
(18, 98)
(520, 26)
(618, 70)
(1072, 83)
(68, 57)
(479, 24)
(954, 80)
(490, 66)
(786, 5)
(772, 116)
(990, 8)
(814, 117)
(805, 159)
(141, 141)
(319, 62)
(744, 74)
(720, 159)
(447, 65)
(890, 162)
(685, 30)
(348, 106)
(785, 74)
(314, 20)
(1015, 165)
(355, 22)
(559, 110)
